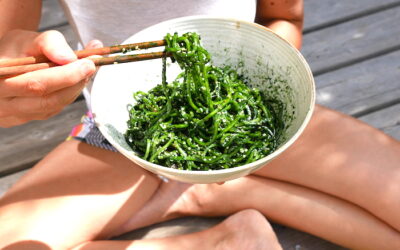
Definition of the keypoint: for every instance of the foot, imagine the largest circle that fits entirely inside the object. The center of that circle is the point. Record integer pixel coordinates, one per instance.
(175, 199)
(166, 204)
(247, 229)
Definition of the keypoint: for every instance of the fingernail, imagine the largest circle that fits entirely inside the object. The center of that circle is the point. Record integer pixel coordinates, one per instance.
(96, 44)
(87, 67)
(66, 56)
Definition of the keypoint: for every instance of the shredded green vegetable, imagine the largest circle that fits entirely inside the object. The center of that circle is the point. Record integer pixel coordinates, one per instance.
(208, 118)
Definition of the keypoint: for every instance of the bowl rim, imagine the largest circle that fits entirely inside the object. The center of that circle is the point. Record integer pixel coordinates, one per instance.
(146, 164)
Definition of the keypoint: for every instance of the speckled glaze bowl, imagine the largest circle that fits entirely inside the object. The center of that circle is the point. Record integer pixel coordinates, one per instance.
(272, 64)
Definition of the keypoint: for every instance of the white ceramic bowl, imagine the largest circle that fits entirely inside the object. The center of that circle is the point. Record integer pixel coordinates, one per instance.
(271, 63)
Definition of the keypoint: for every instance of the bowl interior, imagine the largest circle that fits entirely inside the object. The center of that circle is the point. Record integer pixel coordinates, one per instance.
(271, 64)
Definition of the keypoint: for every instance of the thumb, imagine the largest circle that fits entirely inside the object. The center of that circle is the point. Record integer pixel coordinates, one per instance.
(54, 46)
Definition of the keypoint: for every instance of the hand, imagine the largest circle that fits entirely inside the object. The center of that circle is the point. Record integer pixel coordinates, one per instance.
(41, 94)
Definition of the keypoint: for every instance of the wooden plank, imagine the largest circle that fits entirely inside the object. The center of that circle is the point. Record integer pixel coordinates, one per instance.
(353, 41)
(290, 239)
(387, 120)
(24, 145)
(362, 87)
(319, 14)
(52, 15)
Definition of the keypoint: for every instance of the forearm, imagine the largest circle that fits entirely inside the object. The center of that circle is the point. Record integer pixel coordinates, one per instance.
(19, 14)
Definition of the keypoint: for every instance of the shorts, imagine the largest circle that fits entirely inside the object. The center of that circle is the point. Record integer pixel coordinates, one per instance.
(87, 132)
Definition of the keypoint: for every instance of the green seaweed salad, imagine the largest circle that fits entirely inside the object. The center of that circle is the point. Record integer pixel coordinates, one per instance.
(208, 118)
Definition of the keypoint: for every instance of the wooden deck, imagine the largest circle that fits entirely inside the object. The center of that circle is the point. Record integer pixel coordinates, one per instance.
(354, 51)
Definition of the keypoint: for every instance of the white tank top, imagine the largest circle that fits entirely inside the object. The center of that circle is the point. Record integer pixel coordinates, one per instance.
(112, 21)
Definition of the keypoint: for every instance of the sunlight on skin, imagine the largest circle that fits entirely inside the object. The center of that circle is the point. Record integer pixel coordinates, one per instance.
(317, 213)
(67, 201)
(247, 229)
(338, 166)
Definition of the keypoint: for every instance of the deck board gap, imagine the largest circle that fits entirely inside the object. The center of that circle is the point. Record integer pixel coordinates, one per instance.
(350, 17)
(356, 60)
(376, 108)
(56, 26)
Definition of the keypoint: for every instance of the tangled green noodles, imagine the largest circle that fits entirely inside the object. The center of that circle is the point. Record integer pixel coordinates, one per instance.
(208, 118)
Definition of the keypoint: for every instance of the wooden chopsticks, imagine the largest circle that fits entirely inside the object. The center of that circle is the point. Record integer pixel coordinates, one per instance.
(17, 66)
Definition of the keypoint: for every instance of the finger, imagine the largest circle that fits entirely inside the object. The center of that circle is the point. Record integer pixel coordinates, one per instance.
(43, 82)
(45, 104)
(54, 46)
(11, 121)
(94, 44)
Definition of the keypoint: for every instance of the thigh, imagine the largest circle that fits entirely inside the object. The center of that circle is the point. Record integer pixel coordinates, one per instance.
(342, 156)
(75, 194)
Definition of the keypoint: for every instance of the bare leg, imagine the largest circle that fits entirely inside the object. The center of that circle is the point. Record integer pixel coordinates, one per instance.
(75, 194)
(348, 159)
(172, 200)
(353, 223)
(307, 210)
(245, 230)
(327, 159)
